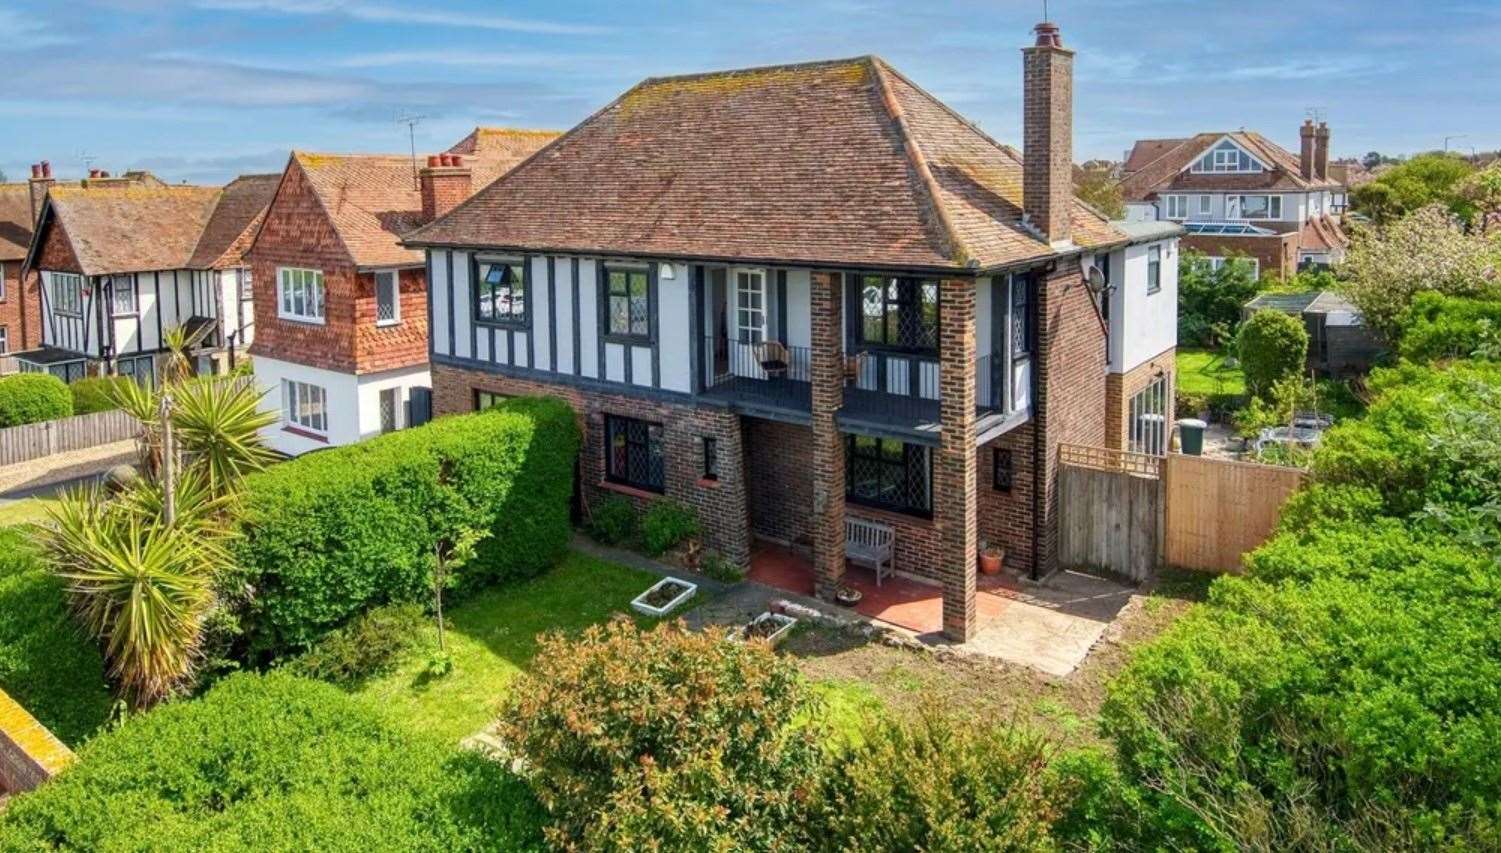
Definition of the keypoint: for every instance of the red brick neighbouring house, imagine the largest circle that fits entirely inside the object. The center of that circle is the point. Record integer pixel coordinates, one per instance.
(796, 295)
(341, 309)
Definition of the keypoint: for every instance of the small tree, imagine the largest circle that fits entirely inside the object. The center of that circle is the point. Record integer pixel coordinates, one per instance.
(1209, 300)
(1271, 345)
(1483, 191)
(1424, 180)
(451, 553)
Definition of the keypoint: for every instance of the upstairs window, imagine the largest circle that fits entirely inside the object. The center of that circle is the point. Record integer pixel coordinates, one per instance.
(899, 312)
(1154, 269)
(300, 294)
(67, 293)
(750, 306)
(1177, 206)
(2, 282)
(1206, 205)
(123, 295)
(1226, 157)
(634, 455)
(629, 303)
(387, 298)
(1021, 326)
(888, 474)
(500, 293)
(1253, 207)
(247, 287)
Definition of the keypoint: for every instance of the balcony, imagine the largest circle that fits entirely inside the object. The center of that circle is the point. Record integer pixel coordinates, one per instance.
(885, 393)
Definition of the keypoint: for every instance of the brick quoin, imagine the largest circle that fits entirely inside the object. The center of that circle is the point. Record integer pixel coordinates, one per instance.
(720, 505)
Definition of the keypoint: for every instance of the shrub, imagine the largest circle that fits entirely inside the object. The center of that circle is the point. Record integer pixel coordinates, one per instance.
(613, 521)
(939, 782)
(1186, 405)
(331, 534)
(273, 762)
(719, 567)
(1209, 300)
(1271, 346)
(46, 663)
(93, 393)
(27, 398)
(663, 739)
(371, 644)
(665, 525)
(1438, 327)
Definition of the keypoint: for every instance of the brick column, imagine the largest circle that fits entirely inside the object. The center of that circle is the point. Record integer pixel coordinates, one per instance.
(827, 523)
(954, 497)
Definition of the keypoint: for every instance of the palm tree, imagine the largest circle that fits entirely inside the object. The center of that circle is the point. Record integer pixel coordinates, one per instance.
(177, 368)
(218, 424)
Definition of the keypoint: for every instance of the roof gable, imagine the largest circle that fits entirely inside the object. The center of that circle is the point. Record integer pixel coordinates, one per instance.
(1173, 168)
(1226, 155)
(131, 228)
(232, 225)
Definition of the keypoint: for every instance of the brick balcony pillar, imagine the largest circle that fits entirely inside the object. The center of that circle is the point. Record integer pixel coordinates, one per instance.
(954, 498)
(827, 524)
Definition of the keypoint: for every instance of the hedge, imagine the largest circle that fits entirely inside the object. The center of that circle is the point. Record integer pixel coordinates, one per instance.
(332, 534)
(273, 762)
(27, 398)
(1438, 327)
(46, 663)
(93, 394)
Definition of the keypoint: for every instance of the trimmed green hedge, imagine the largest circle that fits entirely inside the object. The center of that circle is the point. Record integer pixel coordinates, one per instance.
(332, 534)
(27, 398)
(273, 762)
(46, 663)
(92, 394)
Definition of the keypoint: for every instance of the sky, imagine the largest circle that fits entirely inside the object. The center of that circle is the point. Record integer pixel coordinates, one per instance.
(203, 90)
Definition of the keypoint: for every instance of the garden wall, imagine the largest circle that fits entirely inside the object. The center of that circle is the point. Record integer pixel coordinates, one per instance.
(29, 753)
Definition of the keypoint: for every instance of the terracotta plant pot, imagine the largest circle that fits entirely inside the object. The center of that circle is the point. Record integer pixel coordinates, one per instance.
(990, 560)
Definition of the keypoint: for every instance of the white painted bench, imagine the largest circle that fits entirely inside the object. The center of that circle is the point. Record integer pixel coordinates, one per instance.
(869, 543)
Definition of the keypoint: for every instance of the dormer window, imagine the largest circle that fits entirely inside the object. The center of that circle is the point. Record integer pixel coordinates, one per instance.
(1227, 158)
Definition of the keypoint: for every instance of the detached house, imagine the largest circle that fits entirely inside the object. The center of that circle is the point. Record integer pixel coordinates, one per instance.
(341, 344)
(797, 296)
(1239, 193)
(123, 260)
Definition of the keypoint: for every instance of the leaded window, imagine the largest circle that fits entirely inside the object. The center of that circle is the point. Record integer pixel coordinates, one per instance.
(711, 458)
(122, 295)
(387, 298)
(67, 293)
(500, 293)
(888, 474)
(1001, 469)
(629, 303)
(899, 312)
(1021, 327)
(633, 453)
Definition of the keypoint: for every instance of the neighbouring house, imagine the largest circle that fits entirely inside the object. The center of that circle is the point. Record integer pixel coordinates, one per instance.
(123, 260)
(341, 346)
(1339, 342)
(799, 296)
(20, 301)
(1239, 193)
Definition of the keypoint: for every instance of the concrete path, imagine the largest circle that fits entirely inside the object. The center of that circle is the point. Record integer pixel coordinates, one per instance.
(26, 478)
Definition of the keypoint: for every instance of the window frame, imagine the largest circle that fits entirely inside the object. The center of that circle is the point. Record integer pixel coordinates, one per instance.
(395, 318)
(764, 310)
(292, 401)
(1154, 269)
(513, 318)
(114, 296)
(395, 395)
(891, 312)
(310, 286)
(70, 307)
(1274, 207)
(246, 285)
(654, 433)
(495, 399)
(4, 340)
(710, 452)
(1176, 202)
(1226, 158)
(1206, 204)
(911, 454)
(3, 289)
(608, 295)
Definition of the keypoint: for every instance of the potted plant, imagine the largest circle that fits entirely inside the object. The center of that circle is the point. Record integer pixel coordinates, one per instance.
(663, 596)
(771, 627)
(991, 558)
(847, 596)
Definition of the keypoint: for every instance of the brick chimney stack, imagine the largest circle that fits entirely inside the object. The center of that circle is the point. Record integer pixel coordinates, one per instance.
(1321, 151)
(41, 182)
(1048, 135)
(1308, 152)
(444, 182)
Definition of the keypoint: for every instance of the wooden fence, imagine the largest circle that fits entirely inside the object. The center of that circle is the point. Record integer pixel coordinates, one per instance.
(1127, 513)
(35, 441)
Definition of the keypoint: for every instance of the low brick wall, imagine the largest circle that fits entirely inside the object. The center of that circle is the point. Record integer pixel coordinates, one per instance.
(29, 753)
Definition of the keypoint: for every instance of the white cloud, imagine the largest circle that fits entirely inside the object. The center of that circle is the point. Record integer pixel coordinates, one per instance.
(386, 14)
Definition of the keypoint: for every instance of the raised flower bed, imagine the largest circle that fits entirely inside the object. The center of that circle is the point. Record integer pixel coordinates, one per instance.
(664, 596)
(771, 627)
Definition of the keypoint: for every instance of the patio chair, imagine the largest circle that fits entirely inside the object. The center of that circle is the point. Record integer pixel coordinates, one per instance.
(854, 367)
(772, 356)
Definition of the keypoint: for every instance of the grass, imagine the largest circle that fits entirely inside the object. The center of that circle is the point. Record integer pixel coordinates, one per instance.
(493, 636)
(1203, 371)
(25, 511)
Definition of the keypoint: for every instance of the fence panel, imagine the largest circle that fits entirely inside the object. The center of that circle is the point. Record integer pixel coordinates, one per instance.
(1218, 510)
(35, 441)
(1110, 504)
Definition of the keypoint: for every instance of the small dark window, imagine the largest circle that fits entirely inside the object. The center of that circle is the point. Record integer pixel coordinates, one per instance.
(500, 293)
(633, 453)
(629, 303)
(899, 312)
(711, 458)
(888, 474)
(487, 399)
(1000, 470)
(1021, 326)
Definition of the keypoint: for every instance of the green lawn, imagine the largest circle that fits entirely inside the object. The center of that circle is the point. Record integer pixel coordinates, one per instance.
(25, 511)
(492, 637)
(1204, 372)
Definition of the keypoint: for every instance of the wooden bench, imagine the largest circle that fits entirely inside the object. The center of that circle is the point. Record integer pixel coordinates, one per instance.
(869, 543)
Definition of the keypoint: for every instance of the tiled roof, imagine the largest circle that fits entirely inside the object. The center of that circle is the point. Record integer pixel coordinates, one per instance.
(1168, 170)
(133, 228)
(1321, 233)
(1146, 151)
(373, 199)
(1350, 174)
(15, 221)
(232, 226)
(841, 162)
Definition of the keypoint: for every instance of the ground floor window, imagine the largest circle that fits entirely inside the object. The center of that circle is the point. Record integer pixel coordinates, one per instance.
(711, 458)
(306, 405)
(1148, 424)
(4, 340)
(633, 453)
(488, 399)
(390, 399)
(141, 368)
(888, 474)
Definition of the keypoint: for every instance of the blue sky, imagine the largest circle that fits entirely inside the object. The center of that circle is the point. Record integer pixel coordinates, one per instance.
(202, 90)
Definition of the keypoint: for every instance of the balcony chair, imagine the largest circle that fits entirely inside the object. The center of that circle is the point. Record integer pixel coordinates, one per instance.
(772, 356)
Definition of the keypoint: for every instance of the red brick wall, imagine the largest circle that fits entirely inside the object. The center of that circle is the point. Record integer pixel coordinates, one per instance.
(779, 458)
(1005, 518)
(720, 505)
(1278, 254)
(1121, 387)
(22, 332)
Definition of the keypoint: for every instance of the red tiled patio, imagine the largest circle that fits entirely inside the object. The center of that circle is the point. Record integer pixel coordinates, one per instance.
(900, 601)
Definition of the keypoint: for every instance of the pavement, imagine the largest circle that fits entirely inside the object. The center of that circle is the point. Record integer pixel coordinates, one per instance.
(41, 476)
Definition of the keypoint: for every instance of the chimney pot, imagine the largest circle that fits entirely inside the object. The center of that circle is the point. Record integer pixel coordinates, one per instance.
(432, 161)
(1048, 35)
(1048, 135)
(46, 169)
(445, 159)
(36, 171)
(458, 159)
(93, 173)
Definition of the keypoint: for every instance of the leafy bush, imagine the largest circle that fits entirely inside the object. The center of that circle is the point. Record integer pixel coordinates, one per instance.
(665, 739)
(613, 521)
(719, 567)
(27, 398)
(1209, 300)
(331, 534)
(92, 394)
(273, 762)
(46, 663)
(1271, 345)
(371, 644)
(1186, 405)
(665, 524)
(939, 782)
(1438, 327)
